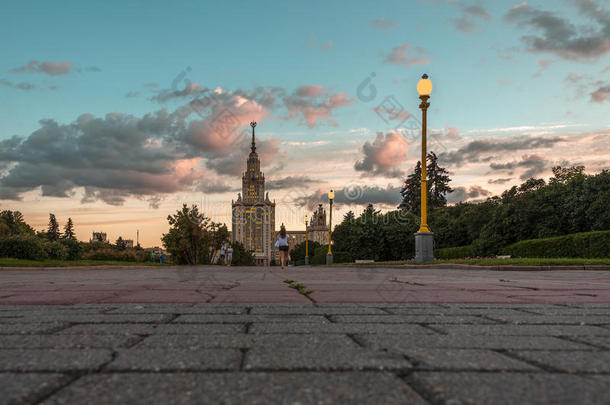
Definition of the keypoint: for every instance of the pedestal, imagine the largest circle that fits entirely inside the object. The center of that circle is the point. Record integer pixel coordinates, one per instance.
(424, 247)
(307, 260)
(329, 259)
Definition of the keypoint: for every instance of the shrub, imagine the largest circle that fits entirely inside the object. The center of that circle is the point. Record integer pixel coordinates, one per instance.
(458, 252)
(74, 249)
(342, 257)
(110, 253)
(30, 248)
(56, 250)
(586, 244)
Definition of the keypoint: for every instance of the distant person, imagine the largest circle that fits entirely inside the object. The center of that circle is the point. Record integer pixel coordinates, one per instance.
(152, 257)
(161, 257)
(283, 245)
(229, 255)
(223, 251)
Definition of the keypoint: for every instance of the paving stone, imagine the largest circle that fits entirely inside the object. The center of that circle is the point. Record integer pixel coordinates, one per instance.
(557, 320)
(239, 340)
(227, 318)
(179, 309)
(52, 359)
(567, 311)
(599, 341)
(26, 388)
(405, 342)
(525, 330)
(176, 360)
(464, 359)
(570, 361)
(322, 359)
(29, 328)
(321, 310)
(66, 341)
(428, 319)
(239, 388)
(454, 311)
(509, 388)
(98, 318)
(382, 328)
(109, 329)
(204, 329)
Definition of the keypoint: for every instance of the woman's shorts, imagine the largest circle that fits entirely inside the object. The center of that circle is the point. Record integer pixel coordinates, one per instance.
(284, 248)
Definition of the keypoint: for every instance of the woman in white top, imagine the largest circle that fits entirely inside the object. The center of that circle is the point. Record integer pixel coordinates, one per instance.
(283, 245)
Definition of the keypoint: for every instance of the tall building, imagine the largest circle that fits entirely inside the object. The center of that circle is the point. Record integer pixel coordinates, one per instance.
(253, 213)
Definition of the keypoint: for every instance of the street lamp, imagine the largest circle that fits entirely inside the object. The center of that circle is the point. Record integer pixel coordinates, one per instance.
(424, 238)
(329, 256)
(306, 240)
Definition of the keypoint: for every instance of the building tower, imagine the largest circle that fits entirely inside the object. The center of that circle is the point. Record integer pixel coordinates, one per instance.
(253, 222)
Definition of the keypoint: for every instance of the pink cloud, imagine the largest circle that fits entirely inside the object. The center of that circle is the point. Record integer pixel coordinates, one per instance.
(313, 104)
(384, 155)
(402, 55)
(49, 68)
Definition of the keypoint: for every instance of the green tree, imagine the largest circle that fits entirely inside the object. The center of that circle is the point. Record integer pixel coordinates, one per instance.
(241, 257)
(69, 230)
(13, 224)
(53, 229)
(411, 191)
(298, 251)
(438, 186)
(121, 244)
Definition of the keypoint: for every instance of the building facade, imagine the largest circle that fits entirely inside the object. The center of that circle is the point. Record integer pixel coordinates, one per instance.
(253, 214)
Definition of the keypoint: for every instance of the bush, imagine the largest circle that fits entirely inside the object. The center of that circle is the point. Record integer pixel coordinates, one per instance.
(56, 250)
(585, 244)
(458, 252)
(342, 257)
(74, 248)
(30, 248)
(320, 253)
(110, 253)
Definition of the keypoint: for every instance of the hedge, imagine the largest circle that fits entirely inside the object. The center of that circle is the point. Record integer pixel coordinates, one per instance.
(459, 252)
(586, 245)
(320, 253)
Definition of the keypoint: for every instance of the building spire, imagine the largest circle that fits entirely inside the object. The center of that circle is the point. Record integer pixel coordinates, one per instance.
(253, 125)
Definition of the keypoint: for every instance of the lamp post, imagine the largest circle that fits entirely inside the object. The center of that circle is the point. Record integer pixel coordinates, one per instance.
(306, 240)
(424, 238)
(329, 255)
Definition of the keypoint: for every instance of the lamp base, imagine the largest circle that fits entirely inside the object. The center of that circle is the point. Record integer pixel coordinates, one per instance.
(424, 247)
(307, 260)
(329, 259)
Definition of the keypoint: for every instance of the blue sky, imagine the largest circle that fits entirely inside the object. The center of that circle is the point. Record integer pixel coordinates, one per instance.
(501, 70)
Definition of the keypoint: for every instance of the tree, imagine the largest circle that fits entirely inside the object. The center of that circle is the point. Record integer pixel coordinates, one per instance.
(69, 230)
(53, 229)
(349, 216)
(298, 251)
(438, 186)
(565, 174)
(241, 257)
(121, 244)
(13, 224)
(192, 236)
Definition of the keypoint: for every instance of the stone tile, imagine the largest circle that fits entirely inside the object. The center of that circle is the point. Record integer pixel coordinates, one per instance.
(509, 388)
(99, 318)
(26, 388)
(239, 340)
(179, 309)
(382, 328)
(52, 359)
(570, 361)
(455, 311)
(176, 360)
(464, 359)
(554, 320)
(568, 311)
(599, 341)
(321, 310)
(29, 328)
(65, 341)
(525, 330)
(405, 342)
(322, 359)
(204, 329)
(428, 319)
(109, 329)
(238, 388)
(227, 318)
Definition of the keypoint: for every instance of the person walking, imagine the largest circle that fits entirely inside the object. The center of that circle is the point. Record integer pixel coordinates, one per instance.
(229, 254)
(223, 251)
(283, 245)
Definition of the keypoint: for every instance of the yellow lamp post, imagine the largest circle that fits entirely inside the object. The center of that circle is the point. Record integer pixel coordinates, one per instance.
(424, 238)
(329, 255)
(306, 240)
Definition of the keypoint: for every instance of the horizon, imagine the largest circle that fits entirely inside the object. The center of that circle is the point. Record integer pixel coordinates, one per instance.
(146, 108)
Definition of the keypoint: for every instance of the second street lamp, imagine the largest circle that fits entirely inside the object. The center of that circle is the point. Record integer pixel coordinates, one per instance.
(329, 256)
(306, 240)
(424, 238)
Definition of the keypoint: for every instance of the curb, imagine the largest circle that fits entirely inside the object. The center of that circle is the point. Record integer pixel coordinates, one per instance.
(481, 267)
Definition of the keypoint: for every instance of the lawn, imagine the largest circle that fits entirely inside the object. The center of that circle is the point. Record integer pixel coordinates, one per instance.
(10, 262)
(562, 261)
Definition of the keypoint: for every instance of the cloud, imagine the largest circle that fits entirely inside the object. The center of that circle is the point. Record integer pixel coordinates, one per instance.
(559, 36)
(384, 155)
(482, 150)
(402, 55)
(288, 182)
(21, 86)
(313, 104)
(535, 164)
(460, 194)
(499, 181)
(49, 68)
(92, 69)
(355, 195)
(132, 94)
(190, 89)
(313, 42)
(543, 64)
(600, 95)
(384, 24)
(465, 22)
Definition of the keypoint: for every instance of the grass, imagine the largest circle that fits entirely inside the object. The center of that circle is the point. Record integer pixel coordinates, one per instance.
(562, 261)
(10, 262)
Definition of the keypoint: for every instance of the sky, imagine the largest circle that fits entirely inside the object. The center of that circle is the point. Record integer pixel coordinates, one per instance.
(116, 113)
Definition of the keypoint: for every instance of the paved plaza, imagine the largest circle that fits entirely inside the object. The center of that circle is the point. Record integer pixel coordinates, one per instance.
(251, 335)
